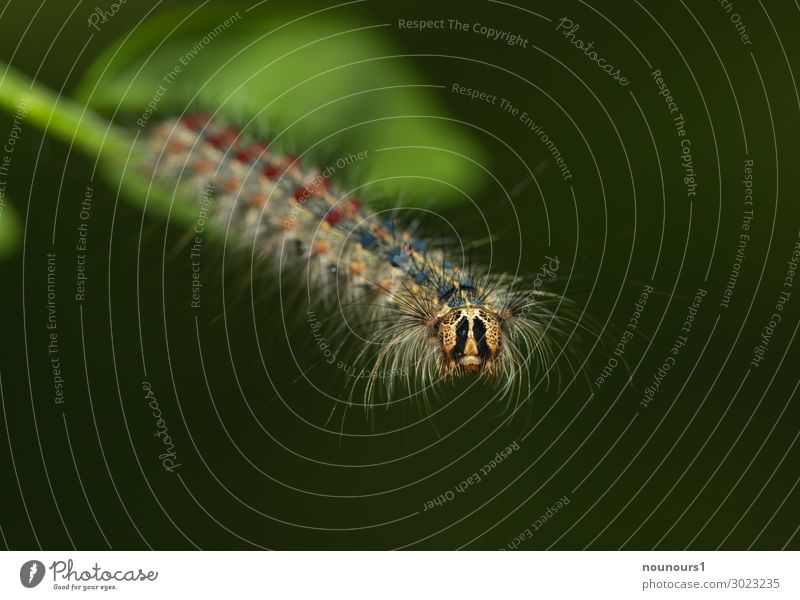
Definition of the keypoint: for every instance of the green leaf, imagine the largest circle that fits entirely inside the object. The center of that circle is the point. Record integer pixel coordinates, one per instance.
(332, 86)
(9, 228)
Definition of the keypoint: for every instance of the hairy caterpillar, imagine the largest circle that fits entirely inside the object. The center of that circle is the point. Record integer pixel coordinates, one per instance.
(432, 317)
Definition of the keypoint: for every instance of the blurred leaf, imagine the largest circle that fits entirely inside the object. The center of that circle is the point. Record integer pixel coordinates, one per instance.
(9, 228)
(330, 85)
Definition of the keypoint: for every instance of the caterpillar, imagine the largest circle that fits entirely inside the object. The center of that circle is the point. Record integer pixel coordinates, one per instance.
(432, 317)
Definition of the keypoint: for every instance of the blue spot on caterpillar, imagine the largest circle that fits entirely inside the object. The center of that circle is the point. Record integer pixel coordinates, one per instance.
(398, 258)
(367, 240)
(446, 292)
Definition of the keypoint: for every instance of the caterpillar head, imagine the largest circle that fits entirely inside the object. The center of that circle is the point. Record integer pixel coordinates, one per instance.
(470, 339)
(507, 336)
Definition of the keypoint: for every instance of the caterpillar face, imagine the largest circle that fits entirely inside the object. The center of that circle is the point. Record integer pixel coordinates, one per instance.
(470, 339)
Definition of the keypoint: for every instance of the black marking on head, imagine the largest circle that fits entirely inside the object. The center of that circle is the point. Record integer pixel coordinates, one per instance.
(462, 335)
(479, 333)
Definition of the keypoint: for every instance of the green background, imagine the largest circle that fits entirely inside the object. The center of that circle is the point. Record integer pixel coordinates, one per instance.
(712, 462)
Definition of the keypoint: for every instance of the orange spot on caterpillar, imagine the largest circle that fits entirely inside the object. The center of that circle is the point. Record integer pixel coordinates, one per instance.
(320, 247)
(160, 135)
(357, 268)
(302, 194)
(258, 200)
(288, 223)
(231, 184)
(204, 165)
(386, 286)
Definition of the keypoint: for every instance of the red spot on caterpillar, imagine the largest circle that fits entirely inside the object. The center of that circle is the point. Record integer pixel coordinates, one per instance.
(216, 141)
(294, 160)
(250, 152)
(333, 217)
(351, 207)
(302, 194)
(256, 149)
(270, 171)
(224, 138)
(197, 121)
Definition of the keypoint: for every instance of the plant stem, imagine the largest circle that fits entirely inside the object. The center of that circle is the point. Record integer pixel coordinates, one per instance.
(75, 124)
(60, 116)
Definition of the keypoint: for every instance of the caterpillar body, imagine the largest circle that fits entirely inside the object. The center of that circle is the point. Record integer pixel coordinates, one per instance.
(433, 317)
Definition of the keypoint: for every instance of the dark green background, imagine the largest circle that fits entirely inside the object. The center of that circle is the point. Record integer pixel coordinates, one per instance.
(288, 483)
